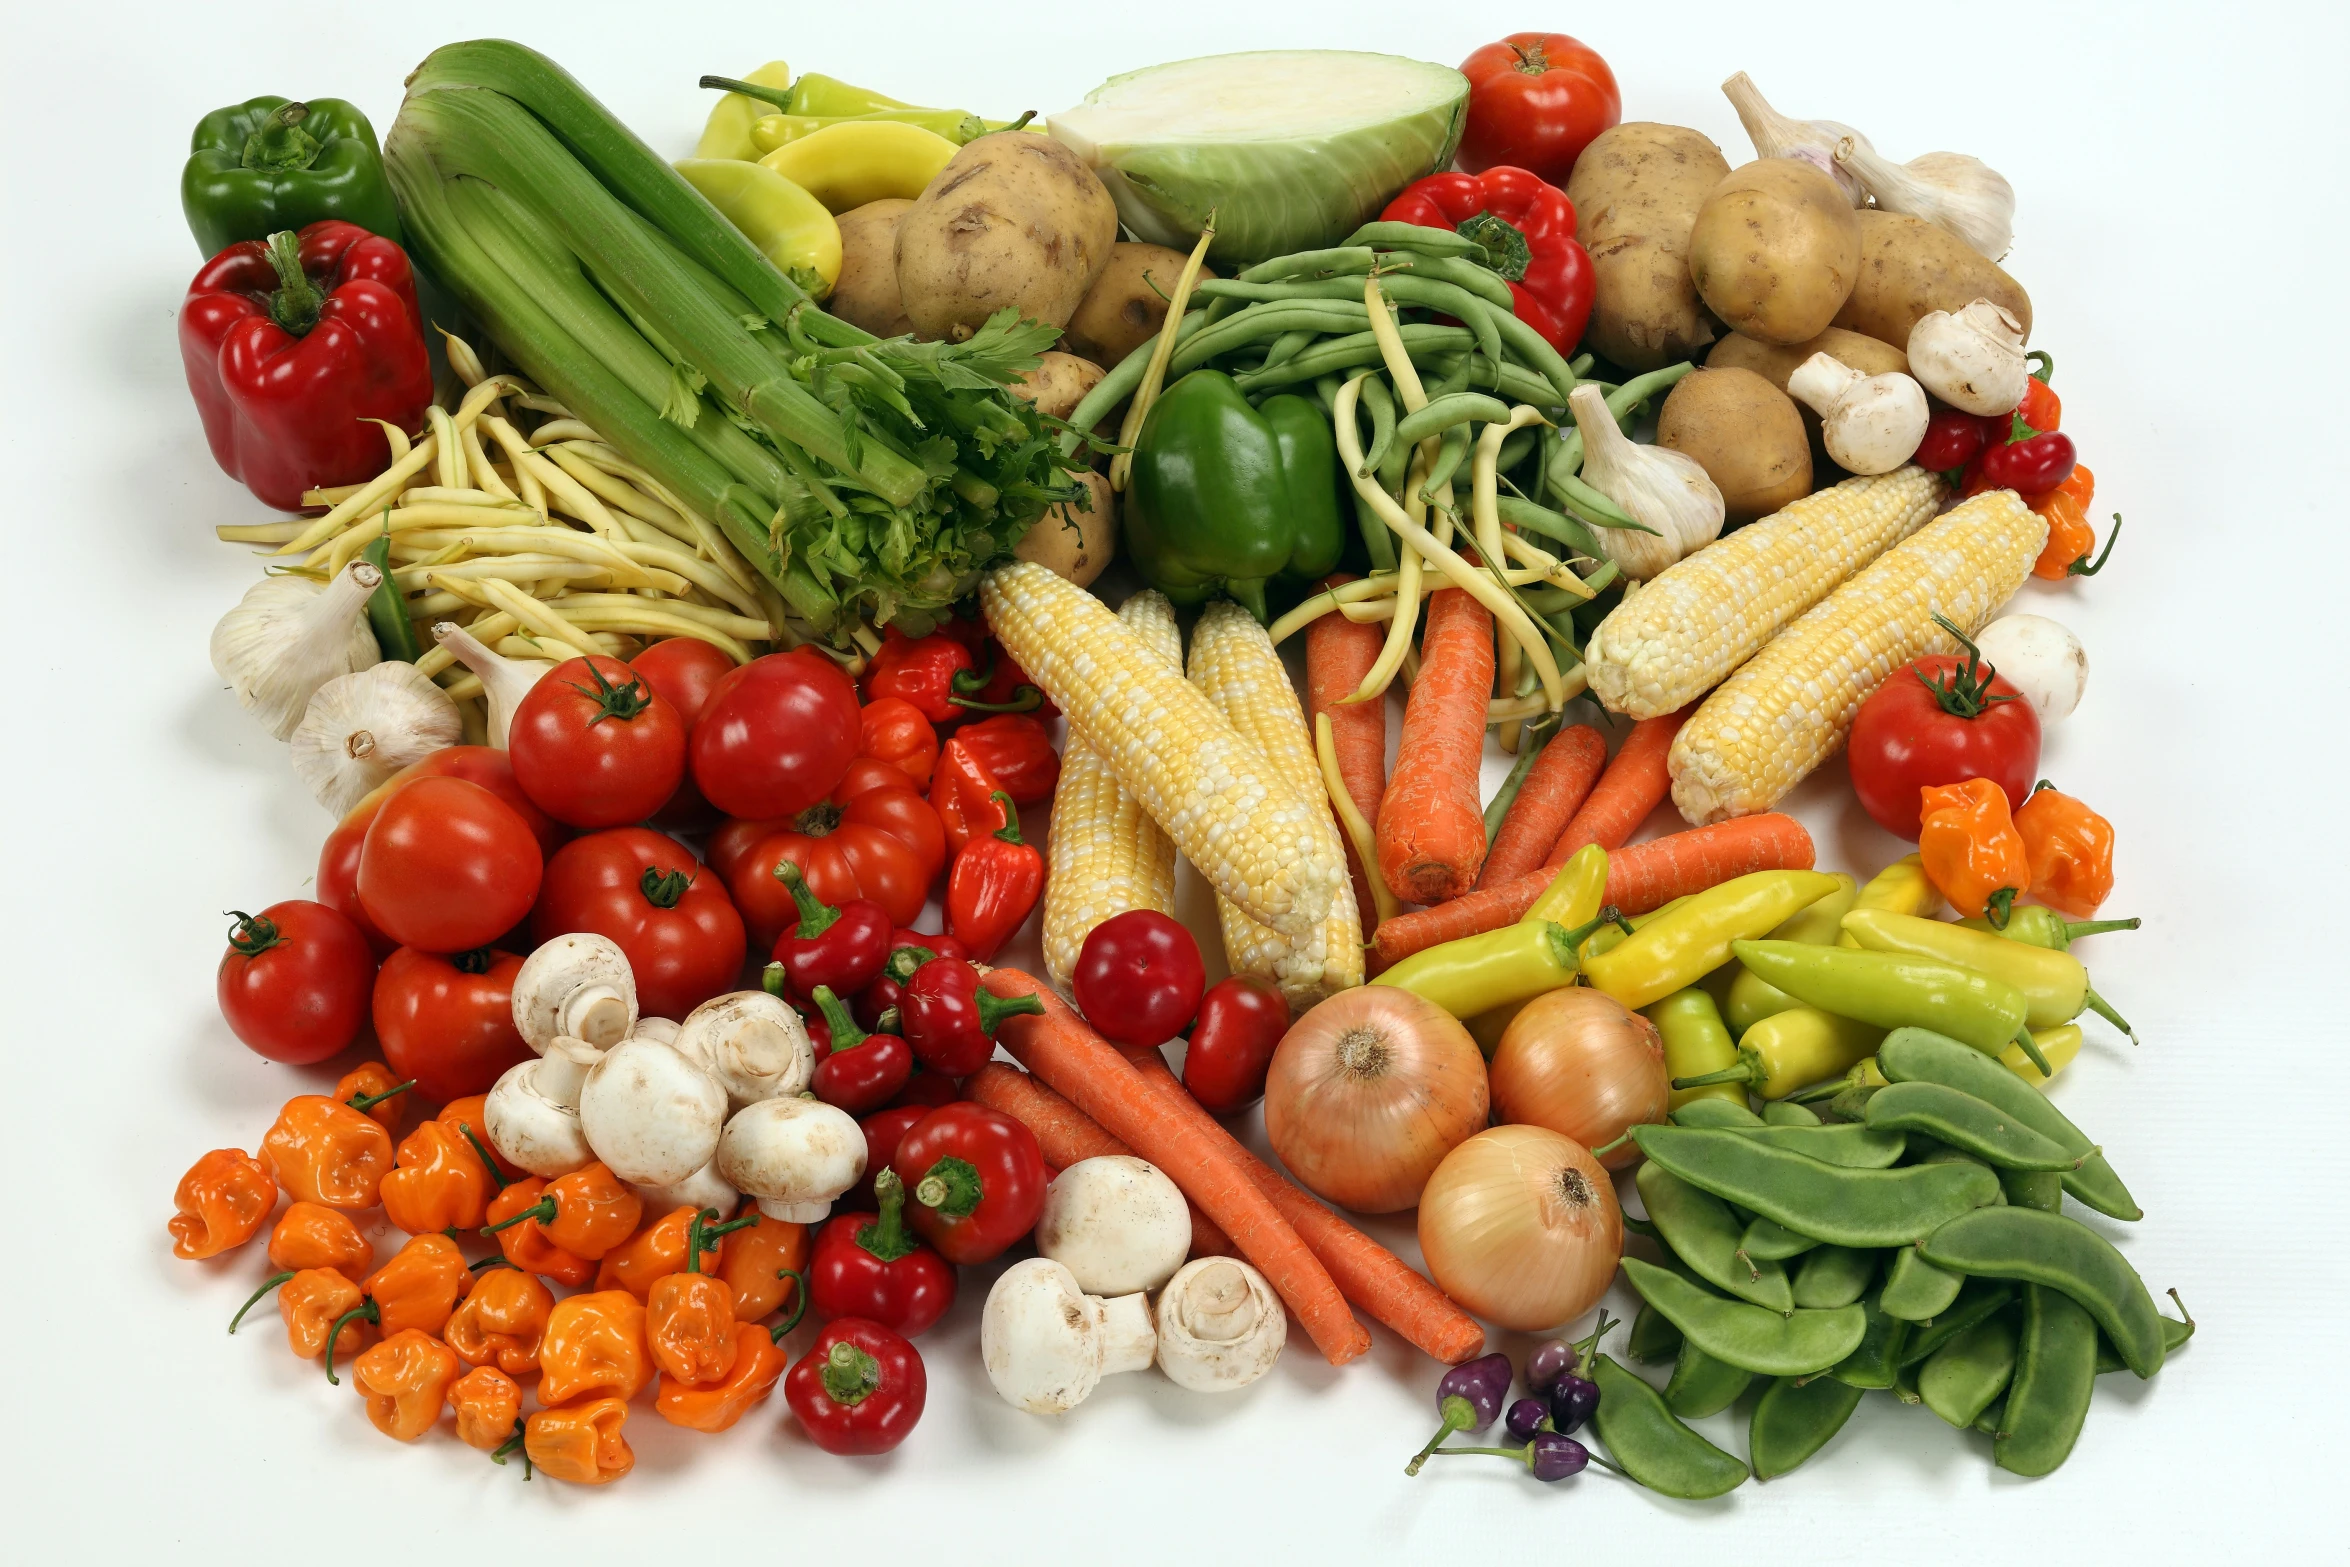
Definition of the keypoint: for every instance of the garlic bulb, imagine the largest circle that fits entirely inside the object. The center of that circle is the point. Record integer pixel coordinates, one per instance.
(1808, 141)
(1870, 423)
(288, 636)
(1664, 489)
(1973, 360)
(1964, 195)
(363, 727)
(504, 681)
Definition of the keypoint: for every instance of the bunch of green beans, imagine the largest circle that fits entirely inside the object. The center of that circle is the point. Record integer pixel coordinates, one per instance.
(1921, 1250)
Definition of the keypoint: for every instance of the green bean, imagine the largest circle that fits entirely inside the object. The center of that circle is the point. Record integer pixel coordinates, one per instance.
(1260, 322)
(1451, 451)
(1115, 387)
(1715, 1113)
(2063, 1254)
(1515, 446)
(1620, 403)
(1288, 345)
(1960, 1119)
(1846, 1207)
(1412, 236)
(1381, 402)
(1653, 1336)
(1534, 349)
(1786, 1112)
(1833, 1276)
(1513, 381)
(1343, 259)
(1916, 1290)
(2174, 1333)
(1584, 502)
(1781, 1345)
(1959, 1380)
(1481, 281)
(2048, 1398)
(1702, 1234)
(1442, 413)
(1916, 1054)
(1702, 1385)
(1795, 1418)
(1652, 1444)
(1875, 1362)
(1349, 352)
(1527, 517)
(2041, 1189)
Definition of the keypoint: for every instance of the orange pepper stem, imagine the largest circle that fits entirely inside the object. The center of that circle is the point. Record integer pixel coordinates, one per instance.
(799, 1295)
(543, 1210)
(513, 1444)
(2076, 569)
(488, 1263)
(498, 1183)
(699, 1234)
(365, 1311)
(254, 1299)
(366, 1102)
(1999, 906)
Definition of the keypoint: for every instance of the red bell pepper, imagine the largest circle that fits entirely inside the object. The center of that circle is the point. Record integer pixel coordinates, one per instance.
(908, 951)
(1528, 230)
(1138, 977)
(949, 1022)
(895, 731)
(1241, 1020)
(859, 1390)
(994, 885)
(962, 793)
(841, 945)
(870, 1265)
(859, 1072)
(292, 345)
(1018, 751)
(923, 671)
(977, 1178)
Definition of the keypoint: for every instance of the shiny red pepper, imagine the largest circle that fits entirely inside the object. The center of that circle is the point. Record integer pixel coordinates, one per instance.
(884, 1130)
(857, 1071)
(2031, 466)
(920, 670)
(949, 1022)
(292, 346)
(859, 1390)
(928, 1090)
(962, 793)
(1241, 1019)
(1955, 438)
(870, 1265)
(895, 731)
(994, 885)
(977, 1178)
(908, 951)
(838, 946)
(1017, 751)
(1527, 227)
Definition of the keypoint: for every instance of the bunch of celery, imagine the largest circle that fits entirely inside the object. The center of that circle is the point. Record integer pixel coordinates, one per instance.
(870, 480)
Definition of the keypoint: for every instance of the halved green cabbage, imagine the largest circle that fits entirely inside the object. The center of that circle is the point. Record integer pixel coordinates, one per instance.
(1292, 148)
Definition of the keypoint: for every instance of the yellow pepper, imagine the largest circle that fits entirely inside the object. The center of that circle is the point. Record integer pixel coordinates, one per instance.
(1802, 1046)
(1501, 968)
(1574, 894)
(790, 227)
(2054, 983)
(1694, 940)
(1752, 998)
(727, 133)
(856, 161)
(781, 130)
(1609, 937)
(1900, 888)
(2058, 1044)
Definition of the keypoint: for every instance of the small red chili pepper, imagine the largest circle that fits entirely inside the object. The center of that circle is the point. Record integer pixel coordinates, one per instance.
(949, 1022)
(859, 1072)
(2031, 466)
(1955, 438)
(962, 792)
(884, 1130)
(908, 951)
(977, 1178)
(919, 670)
(994, 885)
(1001, 686)
(1527, 227)
(838, 946)
(1138, 977)
(1018, 751)
(928, 1090)
(870, 1265)
(859, 1390)
(1241, 1019)
(896, 731)
(2041, 408)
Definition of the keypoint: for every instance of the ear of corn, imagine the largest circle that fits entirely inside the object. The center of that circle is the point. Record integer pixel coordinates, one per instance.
(1233, 661)
(1245, 830)
(1786, 709)
(1678, 636)
(1107, 856)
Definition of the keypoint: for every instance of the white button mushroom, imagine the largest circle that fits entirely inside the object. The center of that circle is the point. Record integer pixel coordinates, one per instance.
(753, 1043)
(705, 1188)
(1047, 1344)
(1972, 359)
(2043, 660)
(660, 1030)
(794, 1155)
(1116, 1223)
(1870, 423)
(649, 1113)
(575, 987)
(1220, 1326)
(532, 1112)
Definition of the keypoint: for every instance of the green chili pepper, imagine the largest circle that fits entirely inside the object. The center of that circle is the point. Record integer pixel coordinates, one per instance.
(1973, 1125)
(1916, 1290)
(1652, 1444)
(1845, 1207)
(2039, 927)
(1834, 1276)
(1791, 1344)
(1959, 1380)
(1700, 1229)
(1917, 1054)
(1696, 1045)
(2048, 1397)
(1794, 1418)
(1751, 998)
(2061, 1253)
(1896, 990)
(2054, 983)
(1702, 1385)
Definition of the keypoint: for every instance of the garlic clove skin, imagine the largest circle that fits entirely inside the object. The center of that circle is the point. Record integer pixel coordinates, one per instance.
(504, 681)
(1775, 135)
(1661, 488)
(1871, 424)
(363, 727)
(1964, 195)
(288, 636)
(1220, 1326)
(1972, 359)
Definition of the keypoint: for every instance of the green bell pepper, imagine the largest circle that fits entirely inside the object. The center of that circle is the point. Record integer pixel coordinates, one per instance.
(266, 164)
(1225, 498)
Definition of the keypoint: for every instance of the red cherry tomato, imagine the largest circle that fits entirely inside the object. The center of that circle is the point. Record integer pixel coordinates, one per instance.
(685, 670)
(448, 1022)
(596, 745)
(776, 735)
(974, 1178)
(1241, 1019)
(1536, 100)
(294, 981)
(666, 910)
(1138, 977)
(1941, 720)
(876, 838)
(338, 860)
(447, 866)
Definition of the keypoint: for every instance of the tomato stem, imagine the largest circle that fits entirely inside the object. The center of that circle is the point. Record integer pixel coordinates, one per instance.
(254, 935)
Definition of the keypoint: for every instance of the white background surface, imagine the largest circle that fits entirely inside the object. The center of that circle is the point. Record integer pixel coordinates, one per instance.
(2180, 232)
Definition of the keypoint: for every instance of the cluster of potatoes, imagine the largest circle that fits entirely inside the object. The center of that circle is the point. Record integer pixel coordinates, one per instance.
(1770, 263)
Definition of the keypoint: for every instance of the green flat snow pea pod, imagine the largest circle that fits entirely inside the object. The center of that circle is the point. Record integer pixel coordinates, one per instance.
(1653, 1337)
(1848, 1146)
(1652, 1444)
(1920, 1055)
(1893, 990)
(1833, 1276)
(1796, 1344)
(1862, 1208)
(1962, 1377)
(1916, 1290)
(2063, 1254)
(1698, 1226)
(1988, 1421)
(1716, 1112)
(1958, 1118)
(1767, 1240)
(2055, 1372)
(1979, 1299)
(1786, 1112)
(2041, 1189)
(1794, 1419)
(2174, 1333)
(1875, 1362)
(1702, 1385)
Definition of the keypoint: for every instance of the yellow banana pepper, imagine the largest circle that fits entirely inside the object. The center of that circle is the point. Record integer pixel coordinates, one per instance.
(1501, 968)
(1694, 940)
(790, 227)
(1575, 893)
(848, 164)
(2054, 983)
(727, 133)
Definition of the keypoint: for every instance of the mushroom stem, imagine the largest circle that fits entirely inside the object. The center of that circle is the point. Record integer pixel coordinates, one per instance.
(1129, 1341)
(597, 1013)
(1217, 1305)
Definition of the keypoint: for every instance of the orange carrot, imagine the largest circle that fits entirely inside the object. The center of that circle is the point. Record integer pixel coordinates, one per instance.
(1634, 784)
(1432, 818)
(1371, 1276)
(1068, 1055)
(1338, 654)
(1554, 788)
(1066, 1134)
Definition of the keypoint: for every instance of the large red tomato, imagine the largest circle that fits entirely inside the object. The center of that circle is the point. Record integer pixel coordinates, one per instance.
(447, 866)
(448, 1022)
(1941, 720)
(685, 670)
(776, 735)
(596, 744)
(664, 908)
(1536, 100)
(294, 981)
(876, 837)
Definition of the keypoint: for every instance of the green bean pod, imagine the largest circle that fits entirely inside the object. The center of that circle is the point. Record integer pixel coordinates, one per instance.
(1795, 1418)
(1289, 345)
(1846, 1207)
(1260, 322)
(1979, 1299)
(1959, 1380)
(1875, 1362)
(1587, 504)
(1699, 1228)
(2041, 1189)
(1988, 1421)
(1960, 1119)
(1527, 517)
(1481, 281)
(1651, 1444)
(1443, 413)
(2063, 1254)
(1334, 262)
(1352, 351)
(1916, 1290)
(1846, 1145)
(1417, 237)
(1451, 451)
(1115, 387)
(2048, 1397)
(1381, 402)
(1833, 1276)
(2174, 1333)
(1795, 1344)
(1701, 1385)
(1653, 1337)
(1767, 1240)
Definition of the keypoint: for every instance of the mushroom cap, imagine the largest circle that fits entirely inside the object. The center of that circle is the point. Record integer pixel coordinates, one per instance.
(705, 1188)
(578, 986)
(798, 1154)
(661, 1030)
(1040, 1338)
(1220, 1325)
(753, 1043)
(531, 1114)
(1117, 1223)
(1973, 359)
(650, 1114)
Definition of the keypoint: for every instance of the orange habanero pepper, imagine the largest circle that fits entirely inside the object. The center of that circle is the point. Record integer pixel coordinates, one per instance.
(764, 1263)
(652, 1254)
(370, 1089)
(312, 1235)
(581, 1443)
(594, 1344)
(689, 1315)
(323, 1151)
(417, 1289)
(223, 1201)
(405, 1380)
(713, 1406)
(464, 1117)
(1970, 849)
(488, 1404)
(2070, 849)
(586, 1213)
(440, 1183)
(500, 1322)
(524, 1244)
(315, 1301)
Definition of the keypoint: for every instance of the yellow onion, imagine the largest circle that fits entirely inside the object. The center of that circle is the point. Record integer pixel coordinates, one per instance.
(1520, 1226)
(1367, 1094)
(1581, 1063)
